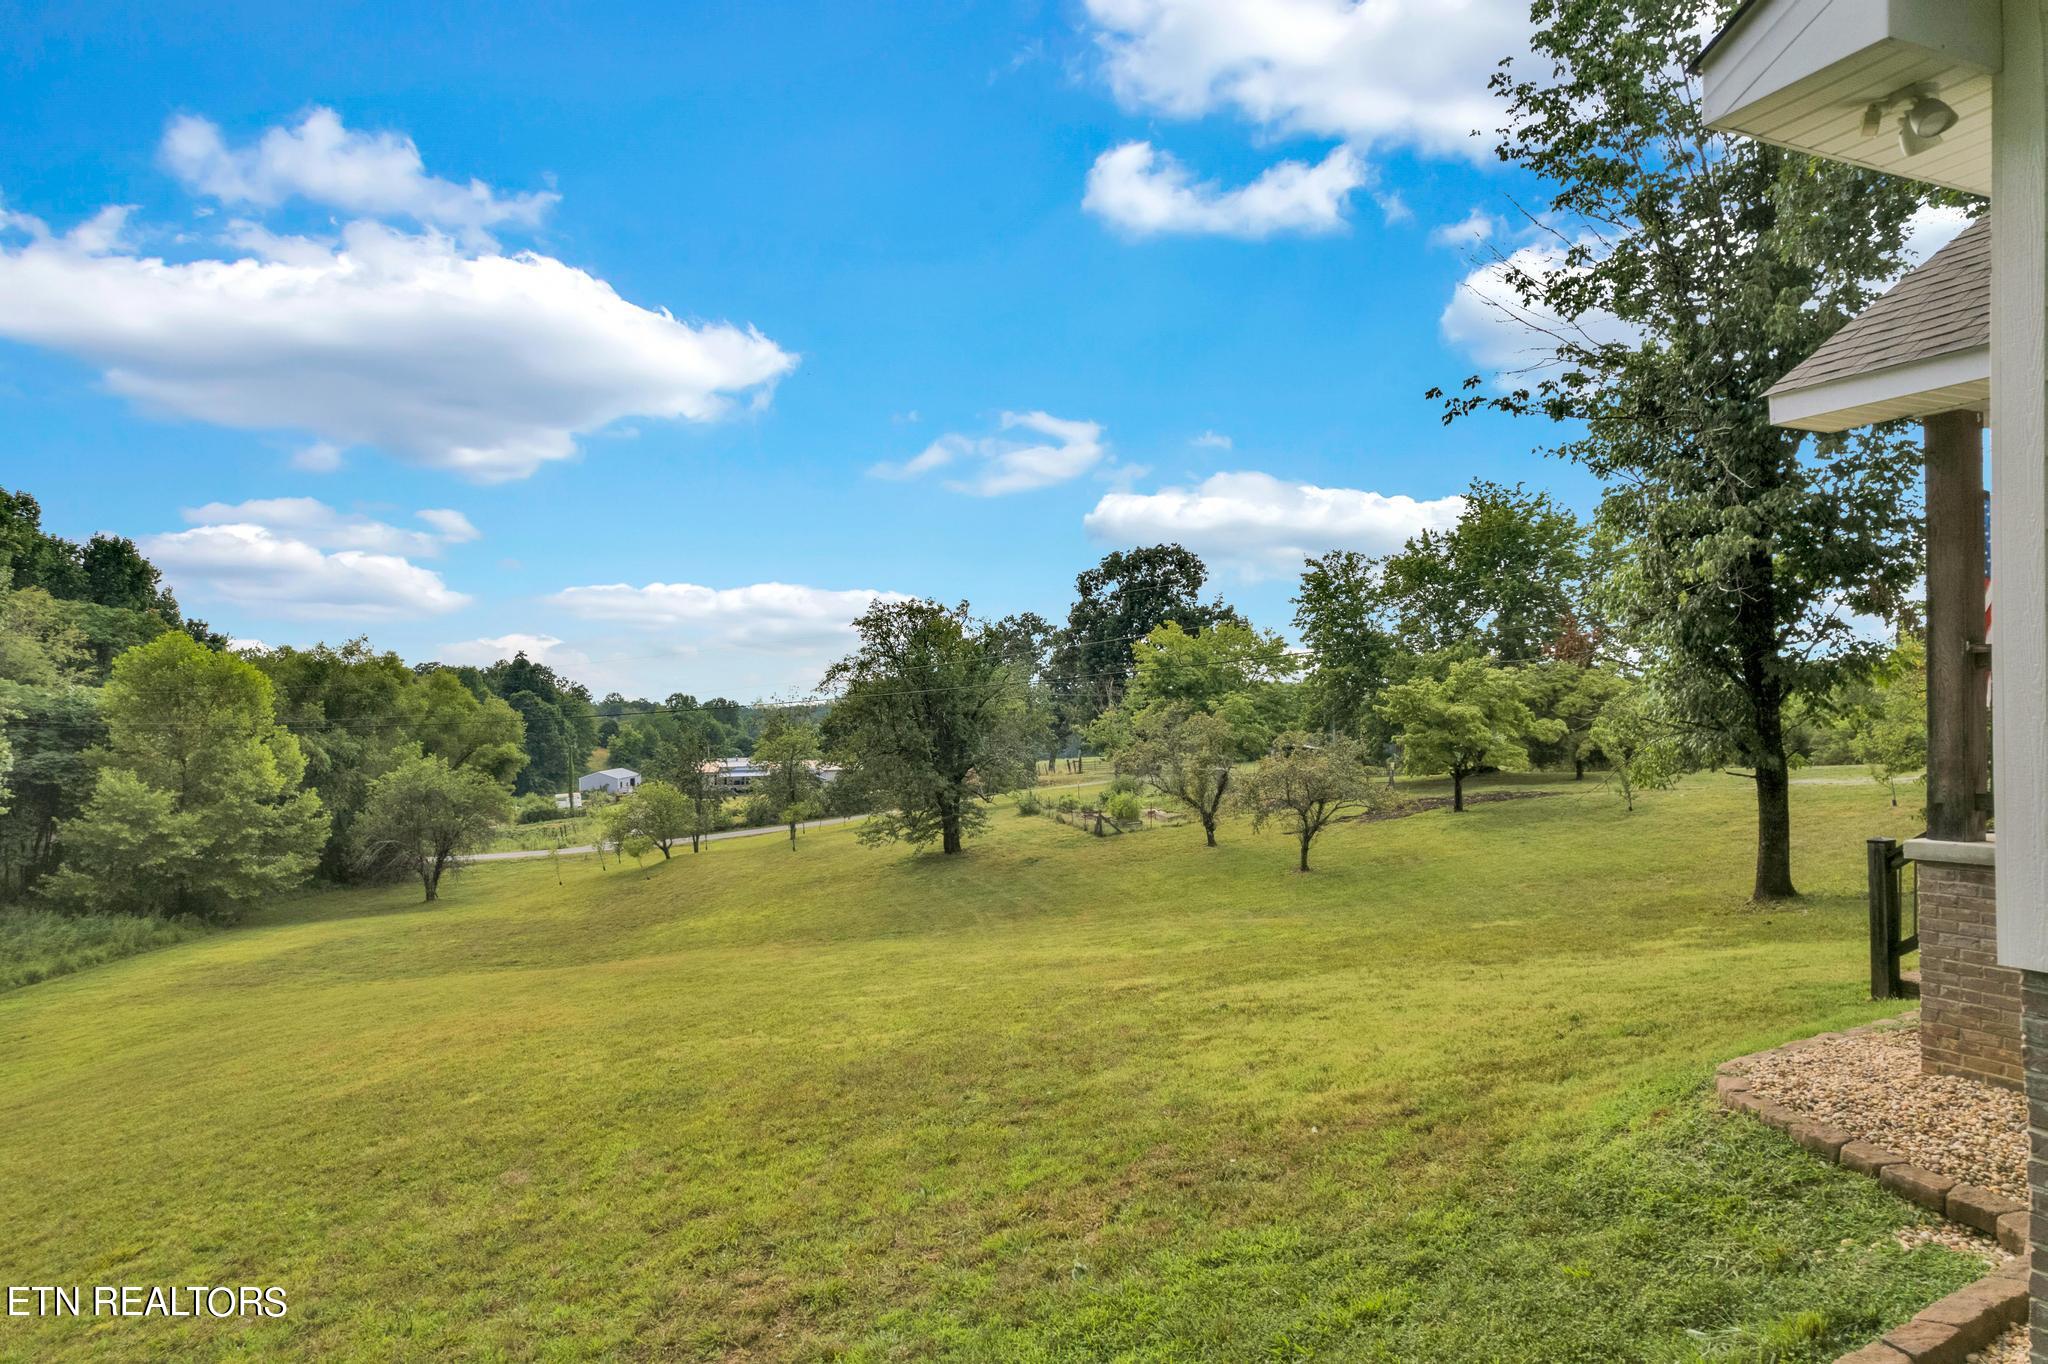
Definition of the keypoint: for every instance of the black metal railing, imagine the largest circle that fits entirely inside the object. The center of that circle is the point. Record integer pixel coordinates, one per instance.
(1894, 919)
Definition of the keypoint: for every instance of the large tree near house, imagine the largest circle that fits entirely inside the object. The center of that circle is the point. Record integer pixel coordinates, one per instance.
(1674, 275)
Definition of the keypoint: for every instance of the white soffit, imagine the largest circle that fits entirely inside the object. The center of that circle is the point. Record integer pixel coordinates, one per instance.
(1945, 384)
(1799, 73)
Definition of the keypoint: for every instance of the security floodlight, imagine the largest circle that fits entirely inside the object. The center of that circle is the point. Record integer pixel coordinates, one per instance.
(1929, 118)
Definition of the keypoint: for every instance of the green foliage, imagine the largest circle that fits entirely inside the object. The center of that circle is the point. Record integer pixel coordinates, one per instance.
(359, 713)
(1028, 803)
(424, 814)
(1742, 560)
(198, 808)
(1639, 744)
(1337, 614)
(931, 722)
(1475, 715)
(1187, 755)
(107, 572)
(1308, 783)
(788, 750)
(1121, 600)
(560, 725)
(1572, 695)
(41, 944)
(1123, 808)
(1509, 578)
(657, 812)
(537, 809)
(1891, 728)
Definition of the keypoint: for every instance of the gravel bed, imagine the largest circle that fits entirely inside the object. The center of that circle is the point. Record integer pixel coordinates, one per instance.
(1870, 1086)
(2010, 1348)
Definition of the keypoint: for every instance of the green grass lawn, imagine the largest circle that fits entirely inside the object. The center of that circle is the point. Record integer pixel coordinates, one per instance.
(1062, 1099)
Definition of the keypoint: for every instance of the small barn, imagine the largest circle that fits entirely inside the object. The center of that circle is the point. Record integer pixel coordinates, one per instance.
(617, 781)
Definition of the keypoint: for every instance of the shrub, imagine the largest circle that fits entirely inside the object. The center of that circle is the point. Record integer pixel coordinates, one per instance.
(38, 944)
(1069, 804)
(1122, 786)
(537, 809)
(1124, 807)
(1027, 803)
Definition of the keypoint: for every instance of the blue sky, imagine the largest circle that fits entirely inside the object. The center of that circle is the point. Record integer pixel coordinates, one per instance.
(958, 297)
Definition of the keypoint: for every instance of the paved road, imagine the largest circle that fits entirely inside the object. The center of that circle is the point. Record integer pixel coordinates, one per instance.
(525, 853)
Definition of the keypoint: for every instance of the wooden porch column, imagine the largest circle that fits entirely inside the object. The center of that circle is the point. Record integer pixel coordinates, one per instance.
(1958, 732)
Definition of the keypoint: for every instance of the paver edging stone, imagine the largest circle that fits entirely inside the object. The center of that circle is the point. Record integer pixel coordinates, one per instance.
(1966, 1320)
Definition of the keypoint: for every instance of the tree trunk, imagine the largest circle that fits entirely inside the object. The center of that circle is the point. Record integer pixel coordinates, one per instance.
(664, 851)
(792, 837)
(1578, 769)
(1209, 829)
(949, 833)
(1773, 829)
(1457, 791)
(1305, 837)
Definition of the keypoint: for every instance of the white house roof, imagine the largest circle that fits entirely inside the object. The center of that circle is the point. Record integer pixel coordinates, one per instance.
(1803, 73)
(1924, 347)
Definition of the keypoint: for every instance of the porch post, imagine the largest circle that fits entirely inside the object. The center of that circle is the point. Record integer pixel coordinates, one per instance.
(1958, 735)
(2019, 563)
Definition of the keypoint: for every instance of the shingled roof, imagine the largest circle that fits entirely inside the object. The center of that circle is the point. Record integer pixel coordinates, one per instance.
(1923, 348)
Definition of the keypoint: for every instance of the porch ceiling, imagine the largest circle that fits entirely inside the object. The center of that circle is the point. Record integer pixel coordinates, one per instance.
(1801, 73)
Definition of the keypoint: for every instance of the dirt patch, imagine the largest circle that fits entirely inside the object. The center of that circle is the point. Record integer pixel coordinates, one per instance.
(1422, 804)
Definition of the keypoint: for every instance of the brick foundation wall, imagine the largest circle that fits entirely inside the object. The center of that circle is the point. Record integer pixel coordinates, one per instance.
(1969, 1004)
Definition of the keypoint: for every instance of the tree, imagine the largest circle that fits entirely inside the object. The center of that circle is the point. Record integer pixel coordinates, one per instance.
(1638, 746)
(788, 750)
(1476, 714)
(1337, 614)
(1308, 783)
(1187, 755)
(1507, 577)
(423, 815)
(1572, 695)
(663, 815)
(931, 722)
(1891, 727)
(684, 758)
(1118, 602)
(560, 724)
(1687, 272)
(198, 808)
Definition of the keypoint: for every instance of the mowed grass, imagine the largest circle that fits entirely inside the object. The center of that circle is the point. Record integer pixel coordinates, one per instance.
(1064, 1098)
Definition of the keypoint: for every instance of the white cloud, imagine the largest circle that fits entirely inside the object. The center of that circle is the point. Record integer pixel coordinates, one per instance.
(1373, 72)
(367, 174)
(1146, 192)
(253, 567)
(1265, 526)
(547, 649)
(317, 524)
(1005, 464)
(1212, 440)
(1487, 319)
(317, 458)
(753, 641)
(448, 356)
(759, 616)
(1474, 228)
